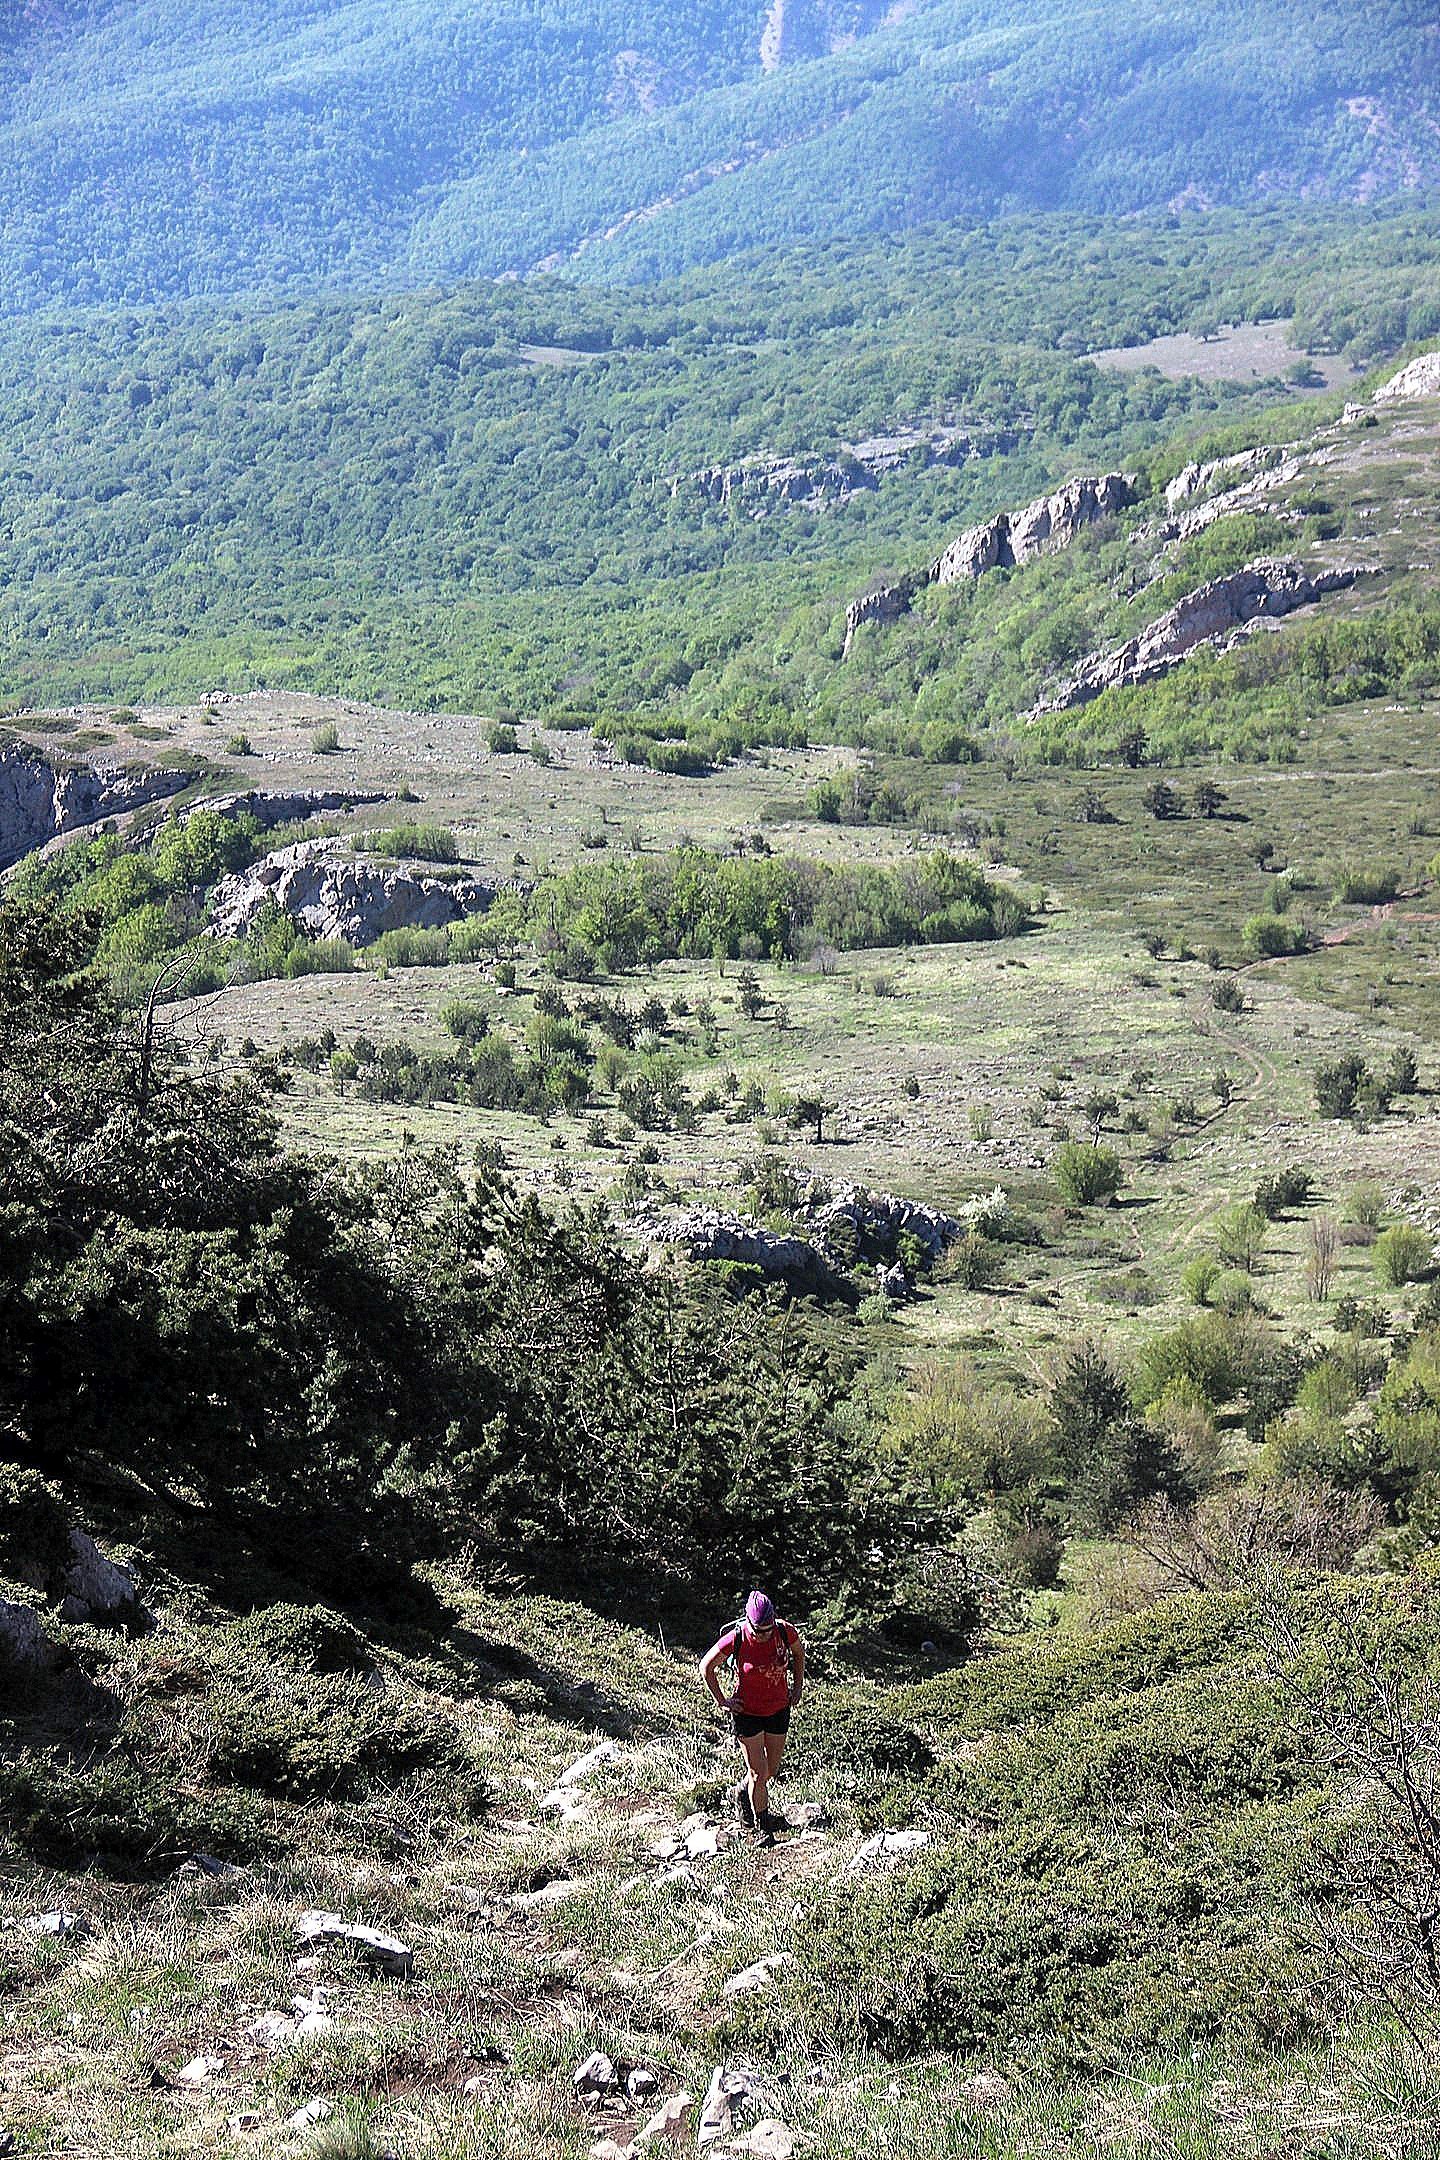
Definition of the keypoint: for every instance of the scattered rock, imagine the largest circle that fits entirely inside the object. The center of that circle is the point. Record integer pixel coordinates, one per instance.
(370, 1944)
(204, 1863)
(314, 2111)
(641, 2083)
(886, 1845)
(1271, 586)
(247, 2119)
(275, 806)
(200, 2071)
(597, 2074)
(97, 1589)
(770, 2139)
(986, 2089)
(56, 1923)
(24, 1645)
(604, 1751)
(551, 1893)
(731, 2088)
(668, 2121)
(756, 1978)
(331, 892)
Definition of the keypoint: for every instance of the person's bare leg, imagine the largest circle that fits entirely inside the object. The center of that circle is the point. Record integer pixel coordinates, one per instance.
(757, 1771)
(774, 1749)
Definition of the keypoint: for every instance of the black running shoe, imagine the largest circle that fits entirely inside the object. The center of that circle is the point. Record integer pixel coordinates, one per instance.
(770, 1822)
(742, 1805)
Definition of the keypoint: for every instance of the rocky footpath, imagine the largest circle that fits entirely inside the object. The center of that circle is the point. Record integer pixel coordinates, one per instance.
(1046, 526)
(1271, 586)
(41, 798)
(332, 893)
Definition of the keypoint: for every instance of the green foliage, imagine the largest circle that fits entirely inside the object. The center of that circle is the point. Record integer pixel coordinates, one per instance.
(851, 1739)
(1366, 884)
(1109, 1457)
(1271, 937)
(1087, 1175)
(1337, 1085)
(34, 1527)
(302, 1638)
(425, 843)
(1403, 1254)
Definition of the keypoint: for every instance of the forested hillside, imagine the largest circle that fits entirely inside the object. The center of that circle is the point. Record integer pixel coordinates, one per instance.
(153, 150)
(495, 492)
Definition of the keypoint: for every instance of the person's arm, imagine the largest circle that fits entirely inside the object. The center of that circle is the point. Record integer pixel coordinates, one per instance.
(797, 1673)
(710, 1665)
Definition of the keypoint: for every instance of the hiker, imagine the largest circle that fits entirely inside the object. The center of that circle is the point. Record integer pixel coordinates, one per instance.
(769, 1659)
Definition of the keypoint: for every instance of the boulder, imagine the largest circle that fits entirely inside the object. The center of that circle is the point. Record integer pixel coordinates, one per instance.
(1419, 379)
(24, 1645)
(330, 892)
(288, 806)
(1271, 586)
(96, 1589)
(41, 797)
(710, 1235)
(368, 1943)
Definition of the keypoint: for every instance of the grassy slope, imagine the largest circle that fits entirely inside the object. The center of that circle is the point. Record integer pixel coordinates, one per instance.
(473, 2055)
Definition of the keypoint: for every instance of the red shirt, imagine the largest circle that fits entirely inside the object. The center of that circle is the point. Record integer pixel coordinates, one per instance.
(762, 1665)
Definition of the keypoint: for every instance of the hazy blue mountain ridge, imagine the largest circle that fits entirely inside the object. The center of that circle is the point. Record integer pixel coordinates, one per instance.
(151, 151)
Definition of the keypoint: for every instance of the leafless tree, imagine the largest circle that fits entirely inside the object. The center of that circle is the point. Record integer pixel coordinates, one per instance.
(1320, 1263)
(1232, 1539)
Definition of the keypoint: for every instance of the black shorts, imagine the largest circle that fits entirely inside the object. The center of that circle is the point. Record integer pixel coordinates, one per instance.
(747, 1726)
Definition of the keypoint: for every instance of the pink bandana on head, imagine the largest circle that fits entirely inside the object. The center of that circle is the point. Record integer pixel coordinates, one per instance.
(759, 1612)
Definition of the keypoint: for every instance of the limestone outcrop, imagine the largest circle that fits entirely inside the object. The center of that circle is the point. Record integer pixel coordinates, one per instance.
(41, 797)
(1420, 379)
(332, 893)
(828, 479)
(708, 1234)
(280, 806)
(1271, 586)
(882, 601)
(1046, 526)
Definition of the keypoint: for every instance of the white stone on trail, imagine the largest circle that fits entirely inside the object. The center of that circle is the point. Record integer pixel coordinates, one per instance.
(607, 2149)
(986, 2089)
(684, 1873)
(770, 2139)
(273, 2029)
(886, 1845)
(604, 1751)
(759, 1976)
(703, 1843)
(553, 1893)
(200, 2071)
(55, 1923)
(668, 2121)
(641, 2083)
(314, 2111)
(391, 1955)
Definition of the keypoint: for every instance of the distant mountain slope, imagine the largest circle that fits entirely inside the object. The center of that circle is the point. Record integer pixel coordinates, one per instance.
(151, 150)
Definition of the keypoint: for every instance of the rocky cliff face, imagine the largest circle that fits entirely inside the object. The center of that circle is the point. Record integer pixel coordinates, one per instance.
(1044, 527)
(1271, 586)
(332, 893)
(1421, 379)
(828, 480)
(275, 806)
(40, 799)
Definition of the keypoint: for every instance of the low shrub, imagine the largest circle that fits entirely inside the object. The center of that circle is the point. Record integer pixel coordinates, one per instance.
(1087, 1175)
(1402, 1254)
(302, 1638)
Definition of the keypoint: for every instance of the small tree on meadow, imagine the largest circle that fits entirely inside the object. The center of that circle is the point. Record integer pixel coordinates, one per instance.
(1087, 1175)
(1162, 800)
(1208, 798)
